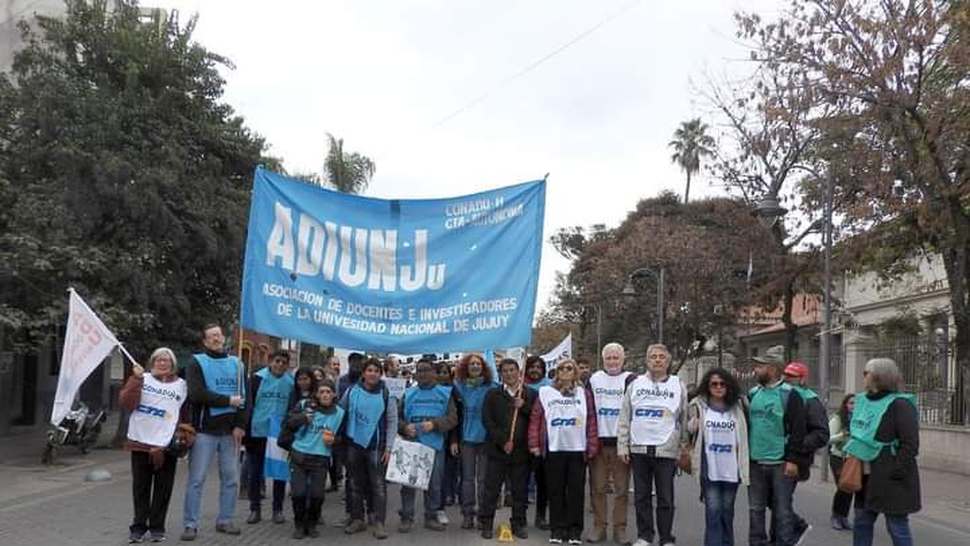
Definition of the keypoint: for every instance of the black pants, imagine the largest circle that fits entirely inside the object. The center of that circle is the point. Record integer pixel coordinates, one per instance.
(151, 490)
(566, 484)
(542, 500)
(650, 471)
(256, 455)
(516, 470)
(842, 501)
(365, 481)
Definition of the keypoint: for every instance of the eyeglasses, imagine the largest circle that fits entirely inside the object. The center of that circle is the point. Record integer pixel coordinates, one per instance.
(717, 385)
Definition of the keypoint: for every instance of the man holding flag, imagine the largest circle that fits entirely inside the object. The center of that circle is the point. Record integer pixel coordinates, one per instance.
(219, 414)
(271, 388)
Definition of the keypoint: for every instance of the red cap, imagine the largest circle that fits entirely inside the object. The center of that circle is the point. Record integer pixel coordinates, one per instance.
(796, 369)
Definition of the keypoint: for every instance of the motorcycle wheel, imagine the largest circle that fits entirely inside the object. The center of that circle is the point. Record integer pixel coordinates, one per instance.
(90, 439)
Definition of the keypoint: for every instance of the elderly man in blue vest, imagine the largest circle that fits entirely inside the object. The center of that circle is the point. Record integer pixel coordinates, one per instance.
(271, 388)
(427, 413)
(216, 383)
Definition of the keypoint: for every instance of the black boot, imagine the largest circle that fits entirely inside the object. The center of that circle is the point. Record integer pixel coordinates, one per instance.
(487, 525)
(299, 517)
(313, 517)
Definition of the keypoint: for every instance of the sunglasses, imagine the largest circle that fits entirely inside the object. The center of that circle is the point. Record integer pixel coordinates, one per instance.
(718, 384)
(567, 369)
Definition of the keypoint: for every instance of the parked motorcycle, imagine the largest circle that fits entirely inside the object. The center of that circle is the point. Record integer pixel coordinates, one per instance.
(80, 427)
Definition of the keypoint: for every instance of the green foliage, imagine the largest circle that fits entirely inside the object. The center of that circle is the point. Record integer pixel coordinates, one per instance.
(347, 172)
(691, 143)
(124, 176)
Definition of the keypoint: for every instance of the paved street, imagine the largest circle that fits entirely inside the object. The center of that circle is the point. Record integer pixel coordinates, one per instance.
(54, 506)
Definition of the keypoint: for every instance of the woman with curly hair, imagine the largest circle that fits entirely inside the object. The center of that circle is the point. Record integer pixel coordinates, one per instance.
(473, 379)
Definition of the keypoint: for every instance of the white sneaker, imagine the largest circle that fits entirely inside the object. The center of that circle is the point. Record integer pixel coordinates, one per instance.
(641, 542)
(442, 517)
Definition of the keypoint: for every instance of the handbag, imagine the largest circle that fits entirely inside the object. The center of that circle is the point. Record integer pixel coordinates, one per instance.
(182, 441)
(850, 479)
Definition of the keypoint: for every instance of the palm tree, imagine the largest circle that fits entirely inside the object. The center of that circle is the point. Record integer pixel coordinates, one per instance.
(347, 172)
(691, 142)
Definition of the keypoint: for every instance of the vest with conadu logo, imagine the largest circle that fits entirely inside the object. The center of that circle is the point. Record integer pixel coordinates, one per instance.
(424, 405)
(309, 438)
(155, 418)
(721, 445)
(654, 410)
(565, 419)
(608, 395)
(366, 410)
(866, 418)
(222, 376)
(272, 401)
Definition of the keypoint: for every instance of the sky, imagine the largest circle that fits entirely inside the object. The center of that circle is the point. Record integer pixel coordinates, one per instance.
(455, 97)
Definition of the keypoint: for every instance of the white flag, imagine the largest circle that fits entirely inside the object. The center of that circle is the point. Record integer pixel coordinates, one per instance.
(87, 343)
(562, 351)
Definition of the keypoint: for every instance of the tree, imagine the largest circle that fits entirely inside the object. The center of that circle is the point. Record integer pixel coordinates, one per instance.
(894, 77)
(691, 142)
(129, 179)
(347, 172)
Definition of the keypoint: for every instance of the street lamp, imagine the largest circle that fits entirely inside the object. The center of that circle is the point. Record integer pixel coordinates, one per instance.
(629, 291)
(599, 330)
(768, 211)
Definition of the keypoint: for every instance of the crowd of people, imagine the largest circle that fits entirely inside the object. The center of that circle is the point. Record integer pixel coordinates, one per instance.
(523, 431)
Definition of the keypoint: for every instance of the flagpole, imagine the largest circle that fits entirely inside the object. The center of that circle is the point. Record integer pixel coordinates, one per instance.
(126, 353)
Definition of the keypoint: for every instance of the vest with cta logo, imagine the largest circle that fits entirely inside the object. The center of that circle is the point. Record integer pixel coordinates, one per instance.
(565, 419)
(654, 408)
(154, 420)
(608, 395)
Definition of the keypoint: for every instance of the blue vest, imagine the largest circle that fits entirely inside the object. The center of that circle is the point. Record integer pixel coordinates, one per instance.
(272, 399)
(472, 428)
(309, 439)
(366, 409)
(424, 404)
(222, 376)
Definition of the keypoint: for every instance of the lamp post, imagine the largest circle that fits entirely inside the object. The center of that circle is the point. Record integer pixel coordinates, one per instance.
(599, 331)
(629, 291)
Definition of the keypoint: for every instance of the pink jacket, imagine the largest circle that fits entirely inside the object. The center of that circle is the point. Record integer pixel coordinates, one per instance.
(538, 433)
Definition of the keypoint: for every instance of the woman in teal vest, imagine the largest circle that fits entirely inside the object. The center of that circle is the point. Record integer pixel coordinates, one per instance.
(317, 422)
(884, 435)
(473, 380)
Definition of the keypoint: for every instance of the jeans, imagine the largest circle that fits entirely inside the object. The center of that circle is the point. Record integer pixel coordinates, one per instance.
(432, 497)
(151, 490)
(896, 526)
(206, 448)
(256, 456)
(473, 465)
(719, 512)
(365, 480)
(769, 485)
(449, 483)
(650, 471)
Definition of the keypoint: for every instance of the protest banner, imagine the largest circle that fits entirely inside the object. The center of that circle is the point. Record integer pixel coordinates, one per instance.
(397, 276)
(561, 352)
(410, 464)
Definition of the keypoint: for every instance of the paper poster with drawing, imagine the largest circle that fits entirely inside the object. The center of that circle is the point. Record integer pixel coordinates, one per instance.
(410, 464)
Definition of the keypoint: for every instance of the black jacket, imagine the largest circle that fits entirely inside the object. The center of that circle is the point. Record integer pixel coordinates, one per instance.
(497, 410)
(816, 434)
(893, 485)
(202, 399)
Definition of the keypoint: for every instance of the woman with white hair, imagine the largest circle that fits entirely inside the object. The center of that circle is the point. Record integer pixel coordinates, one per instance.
(156, 401)
(884, 435)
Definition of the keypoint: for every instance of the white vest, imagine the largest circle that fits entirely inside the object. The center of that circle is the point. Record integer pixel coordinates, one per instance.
(721, 446)
(608, 395)
(157, 415)
(565, 419)
(654, 409)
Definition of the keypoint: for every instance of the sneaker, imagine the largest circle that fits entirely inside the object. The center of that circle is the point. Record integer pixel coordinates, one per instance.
(278, 517)
(156, 536)
(642, 542)
(254, 517)
(836, 523)
(442, 517)
(355, 526)
(228, 528)
(468, 522)
(405, 526)
(487, 532)
(135, 537)
(520, 533)
(379, 531)
(598, 534)
(434, 525)
(343, 521)
(846, 524)
(575, 541)
(554, 540)
(189, 534)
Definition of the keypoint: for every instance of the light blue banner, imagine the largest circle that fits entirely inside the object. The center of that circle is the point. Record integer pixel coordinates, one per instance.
(398, 276)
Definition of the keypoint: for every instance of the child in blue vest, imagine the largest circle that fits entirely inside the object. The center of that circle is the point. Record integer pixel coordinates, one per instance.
(427, 413)
(271, 388)
(317, 422)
